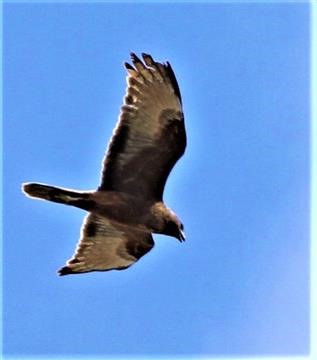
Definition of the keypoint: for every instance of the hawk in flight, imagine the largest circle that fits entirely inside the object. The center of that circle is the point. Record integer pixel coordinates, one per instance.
(128, 205)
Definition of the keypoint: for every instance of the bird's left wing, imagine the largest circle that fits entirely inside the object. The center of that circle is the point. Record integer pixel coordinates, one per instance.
(105, 245)
(150, 135)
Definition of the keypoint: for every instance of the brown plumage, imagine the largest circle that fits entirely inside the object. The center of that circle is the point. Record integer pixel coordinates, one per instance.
(128, 205)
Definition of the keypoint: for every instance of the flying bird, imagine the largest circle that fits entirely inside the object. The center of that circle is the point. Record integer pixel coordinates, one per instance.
(128, 206)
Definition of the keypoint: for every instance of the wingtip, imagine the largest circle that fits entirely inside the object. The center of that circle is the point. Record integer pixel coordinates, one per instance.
(135, 58)
(147, 58)
(128, 66)
(66, 270)
(145, 55)
(173, 80)
(149, 61)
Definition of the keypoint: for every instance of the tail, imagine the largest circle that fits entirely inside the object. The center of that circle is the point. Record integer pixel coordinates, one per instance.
(58, 195)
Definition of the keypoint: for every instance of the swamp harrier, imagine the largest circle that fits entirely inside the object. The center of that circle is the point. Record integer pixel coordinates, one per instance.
(128, 205)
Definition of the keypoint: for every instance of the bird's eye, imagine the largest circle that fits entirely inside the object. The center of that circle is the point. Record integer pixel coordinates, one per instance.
(182, 227)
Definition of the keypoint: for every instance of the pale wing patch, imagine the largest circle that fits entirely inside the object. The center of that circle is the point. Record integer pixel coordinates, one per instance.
(146, 97)
(106, 246)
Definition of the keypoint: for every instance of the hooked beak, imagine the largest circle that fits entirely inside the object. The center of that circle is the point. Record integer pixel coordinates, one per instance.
(181, 235)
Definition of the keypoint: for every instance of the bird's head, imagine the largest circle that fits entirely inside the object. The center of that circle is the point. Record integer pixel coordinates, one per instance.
(175, 229)
(167, 222)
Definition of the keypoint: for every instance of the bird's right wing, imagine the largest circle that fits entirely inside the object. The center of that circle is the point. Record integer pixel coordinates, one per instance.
(150, 135)
(105, 245)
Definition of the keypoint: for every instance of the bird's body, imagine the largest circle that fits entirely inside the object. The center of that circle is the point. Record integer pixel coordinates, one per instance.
(127, 207)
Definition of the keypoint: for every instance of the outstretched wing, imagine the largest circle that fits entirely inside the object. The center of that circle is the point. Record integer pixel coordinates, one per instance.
(150, 135)
(107, 246)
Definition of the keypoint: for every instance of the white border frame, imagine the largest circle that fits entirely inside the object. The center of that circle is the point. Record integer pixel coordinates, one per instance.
(313, 191)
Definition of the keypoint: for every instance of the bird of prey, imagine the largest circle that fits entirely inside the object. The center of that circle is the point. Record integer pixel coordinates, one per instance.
(128, 206)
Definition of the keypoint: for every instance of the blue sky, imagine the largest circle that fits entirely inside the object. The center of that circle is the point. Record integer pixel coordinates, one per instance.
(240, 284)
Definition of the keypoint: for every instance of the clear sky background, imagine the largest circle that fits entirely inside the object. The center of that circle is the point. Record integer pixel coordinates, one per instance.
(239, 285)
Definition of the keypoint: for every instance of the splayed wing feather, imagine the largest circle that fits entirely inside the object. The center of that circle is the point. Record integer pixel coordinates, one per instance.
(107, 246)
(150, 135)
